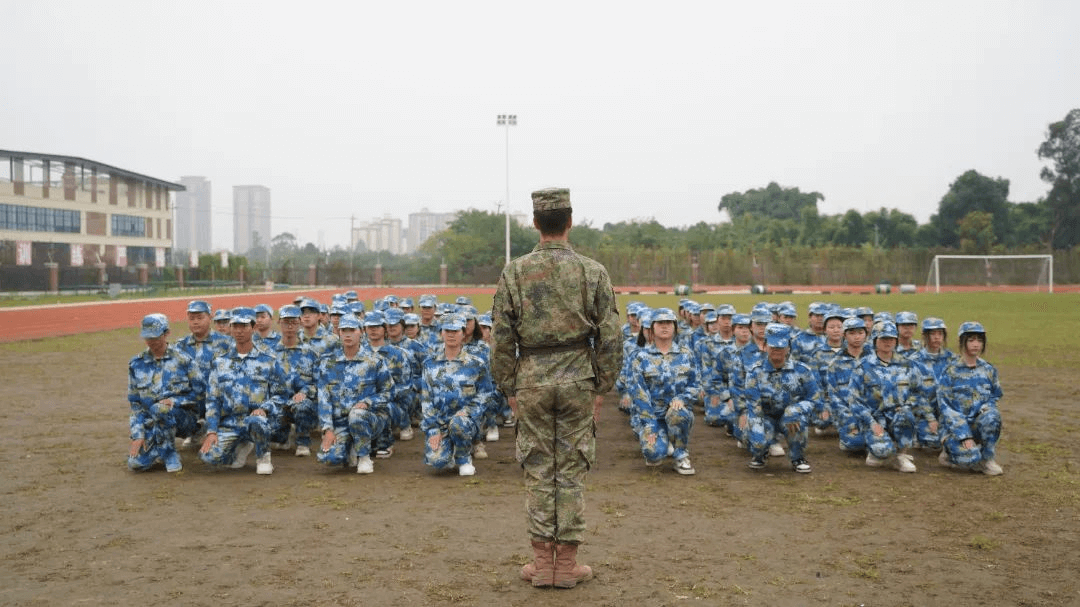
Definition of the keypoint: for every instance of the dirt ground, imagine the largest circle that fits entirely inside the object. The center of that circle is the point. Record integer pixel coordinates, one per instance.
(79, 528)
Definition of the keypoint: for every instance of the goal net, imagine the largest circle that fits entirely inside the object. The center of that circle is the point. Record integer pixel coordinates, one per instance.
(991, 273)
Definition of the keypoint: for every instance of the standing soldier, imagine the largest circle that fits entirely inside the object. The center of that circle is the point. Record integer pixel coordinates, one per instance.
(557, 350)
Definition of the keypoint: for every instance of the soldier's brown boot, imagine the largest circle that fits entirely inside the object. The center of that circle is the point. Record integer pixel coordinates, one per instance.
(567, 571)
(542, 570)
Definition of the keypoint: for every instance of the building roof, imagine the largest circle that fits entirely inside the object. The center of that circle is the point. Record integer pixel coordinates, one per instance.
(101, 167)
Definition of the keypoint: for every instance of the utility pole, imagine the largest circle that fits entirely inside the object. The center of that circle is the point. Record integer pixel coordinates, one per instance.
(352, 246)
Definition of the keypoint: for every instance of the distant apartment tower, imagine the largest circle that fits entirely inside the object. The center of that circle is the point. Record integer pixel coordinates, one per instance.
(251, 217)
(193, 217)
(379, 235)
(424, 225)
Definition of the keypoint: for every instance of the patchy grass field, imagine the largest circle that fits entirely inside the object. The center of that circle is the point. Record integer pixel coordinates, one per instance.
(80, 528)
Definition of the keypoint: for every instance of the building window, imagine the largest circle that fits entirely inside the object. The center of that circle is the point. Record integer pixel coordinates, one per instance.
(127, 225)
(36, 219)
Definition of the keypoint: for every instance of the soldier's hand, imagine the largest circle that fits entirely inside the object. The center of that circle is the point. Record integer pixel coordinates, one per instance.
(208, 442)
(433, 442)
(298, 397)
(360, 405)
(877, 429)
(933, 427)
(598, 400)
(136, 447)
(743, 422)
(512, 401)
(259, 412)
(968, 443)
(327, 440)
(677, 404)
(714, 400)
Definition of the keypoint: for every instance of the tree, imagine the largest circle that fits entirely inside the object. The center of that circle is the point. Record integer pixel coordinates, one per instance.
(976, 232)
(473, 246)
(894, 228)
(770, 201)
(972, 192)
(853, 232)
(1062, 149)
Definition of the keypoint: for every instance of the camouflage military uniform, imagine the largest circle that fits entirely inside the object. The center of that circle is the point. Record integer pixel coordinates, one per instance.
(969, 397)
(556, 344)
(300, 364)
(203, 353)
(836, 383)
(454, 395)
(893, 395)
(777, 401)
(343, 383)
(150, 381)
(657, 380)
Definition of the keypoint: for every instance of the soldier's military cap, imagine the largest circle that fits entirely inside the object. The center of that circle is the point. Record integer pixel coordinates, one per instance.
(707, 307)
(391, 299)
(357, 307)
(759, 315)
(864, 311)
(428, 301)
(662, 314)
(885, 328)
(394, 316)
(463, 300)
(154, 325)
(452, 322)
(264, 308)
(819, 307)
(854, 323)
(725, 310)
(906, 318)
(348, 322)
(883, 316)
(777, 335)
(484, 320)
(787, 309)
(837, 312)
(339, 309)
(351, 295)
(411, 319)
(289, 311)
(242, 315)
(710, 316)
(323, 309)
(221, 314)
(375, 318)
(740, 319)
(198, 305)
(406, 302)
(931, 322)
(309, 303)
(551, 199)
(971, 327)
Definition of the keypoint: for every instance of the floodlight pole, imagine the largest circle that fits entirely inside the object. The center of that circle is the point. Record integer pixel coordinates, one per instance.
(507, 121)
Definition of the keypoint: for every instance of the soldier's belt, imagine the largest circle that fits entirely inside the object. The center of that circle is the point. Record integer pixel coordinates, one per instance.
(579, 345)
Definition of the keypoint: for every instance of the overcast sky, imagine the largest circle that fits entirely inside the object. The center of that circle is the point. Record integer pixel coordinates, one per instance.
(644, 110)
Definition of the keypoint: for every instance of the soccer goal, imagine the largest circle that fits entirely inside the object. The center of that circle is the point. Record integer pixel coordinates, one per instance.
(992, 273)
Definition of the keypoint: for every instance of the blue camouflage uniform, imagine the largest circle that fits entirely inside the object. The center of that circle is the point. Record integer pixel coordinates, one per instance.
(344, 383)
(454, 394)
(300, 364)
(238, 386)
(969, 404)
(714, 375)
(152, 380)
(204, 351)
(656, 380)
(779, 400)
(399, 397)
(836, 385)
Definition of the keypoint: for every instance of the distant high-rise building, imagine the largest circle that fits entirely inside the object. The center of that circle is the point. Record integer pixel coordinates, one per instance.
(424, 225)
(379, 235)
(193, 216)
(251, 217)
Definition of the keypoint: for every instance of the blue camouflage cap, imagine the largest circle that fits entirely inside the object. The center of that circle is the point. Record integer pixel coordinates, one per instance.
(242, 315)
(394, 316)
(463, 300)
(662, 314)
(391, 299)
(864, 311)
(154, 326)
(375, 318)
(682, 302)
(468, 311)
(222, 314)
(289, 311)
(351, 295)
(707, 307)
(787, 309)
(710, 316)
(645, 316)
(307, 302)
(932, 322)
(725, 310)
(198, 305)
(484, 320)
(339, 309)
(348, 322)
(886, 328)
(854, 323)
(906, 318)
(357, 307)
(411, 319)
(406, 302)
(428, 301)
(835, 312)
(777, 335)
(848, 312)
(740, 319)
(692, 307)
(452, 322)
(883, 316)
(760, 315)
(971, 326)
(819, 307)
(323, 309)
(264, 308)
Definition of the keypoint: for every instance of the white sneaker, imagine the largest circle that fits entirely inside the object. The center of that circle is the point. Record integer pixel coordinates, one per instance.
(682, 466)
(406, 434)
(943, 459)
(384, 453)
(466, 469)
(242, 453)
(263, 465)
(492, 434)
(303, 451)
(510, 422)
(479, 451)
(819, 431)
(874, 462)
(776, 450)
(991, 468)
(364, 465)
(186, 443)
(904, 463)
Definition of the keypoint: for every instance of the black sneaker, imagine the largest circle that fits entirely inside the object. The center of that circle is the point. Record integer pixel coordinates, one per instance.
(801, 466)
(757, 463)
